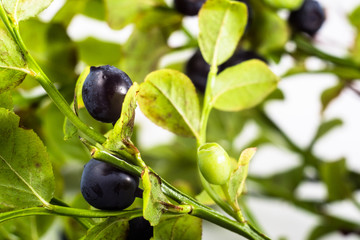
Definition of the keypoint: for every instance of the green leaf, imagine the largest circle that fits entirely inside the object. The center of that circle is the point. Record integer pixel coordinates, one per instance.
(154, 199)
(111, 228)
(91, 8)
(225, 125)
(326, 127)
(23, 9)
(52, 49)
(204, 197)
(60, 150)
(335, 176)
(78, 100)
(169, 99)
(142, 52)
(13, 67)
(179, 228)
(6, 100)
(268, 23)
(328, 95)
(155, 19)
(95, 52)
(123, 128)
(320, 231)
(118, 18)
(69, 129)
(238, 177)
(221, 24)
(26, 174)
(354, 17)
(289, 4)
(243, 86)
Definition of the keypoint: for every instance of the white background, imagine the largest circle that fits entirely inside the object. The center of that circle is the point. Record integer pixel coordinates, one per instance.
(299, 116)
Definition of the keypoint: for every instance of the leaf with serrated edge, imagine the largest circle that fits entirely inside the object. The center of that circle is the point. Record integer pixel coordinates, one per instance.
(23, 9)
(243, 86)
(221, 24)
(168, 98)
(238, 177)
(154, 199)
(124, 126)
(179, 228)
(26, 175)
(13, 67)
(112, 228)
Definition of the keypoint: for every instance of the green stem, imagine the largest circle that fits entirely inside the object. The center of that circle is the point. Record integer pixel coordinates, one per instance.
(199, 209)
(249, 214)
(215, 197)
(207, 104)
(238, 214)
(86, 223)
(308, 48)
(44, 81)
(66, 211)
(242, 229)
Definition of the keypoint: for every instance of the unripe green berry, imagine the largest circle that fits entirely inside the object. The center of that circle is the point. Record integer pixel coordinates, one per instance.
(214, 163)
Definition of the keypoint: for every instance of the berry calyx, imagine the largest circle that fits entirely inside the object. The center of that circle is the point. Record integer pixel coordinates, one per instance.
(104, 91)
(106, 187)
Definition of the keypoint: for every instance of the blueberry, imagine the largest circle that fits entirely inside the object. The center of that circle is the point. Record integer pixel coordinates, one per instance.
(240, 56)
(139, 229)
(188, 7)
(197, 70)
(104, 91)
(106, 187)
(308, 18)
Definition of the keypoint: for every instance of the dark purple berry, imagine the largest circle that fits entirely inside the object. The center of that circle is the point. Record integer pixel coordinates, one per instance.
(106, 187)
(188, 7)
(104, 91)
(240, 56)
(308, 18)
(139, 229)
(197, 70)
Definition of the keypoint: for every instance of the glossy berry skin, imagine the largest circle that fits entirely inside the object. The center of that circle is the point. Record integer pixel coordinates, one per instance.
(139, 229)
(104, 91)
(308, 18)
(197, 70)
(188, 7)
(106, 187)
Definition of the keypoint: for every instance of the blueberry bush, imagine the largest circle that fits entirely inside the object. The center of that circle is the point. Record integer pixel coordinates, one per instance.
(69, 136)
